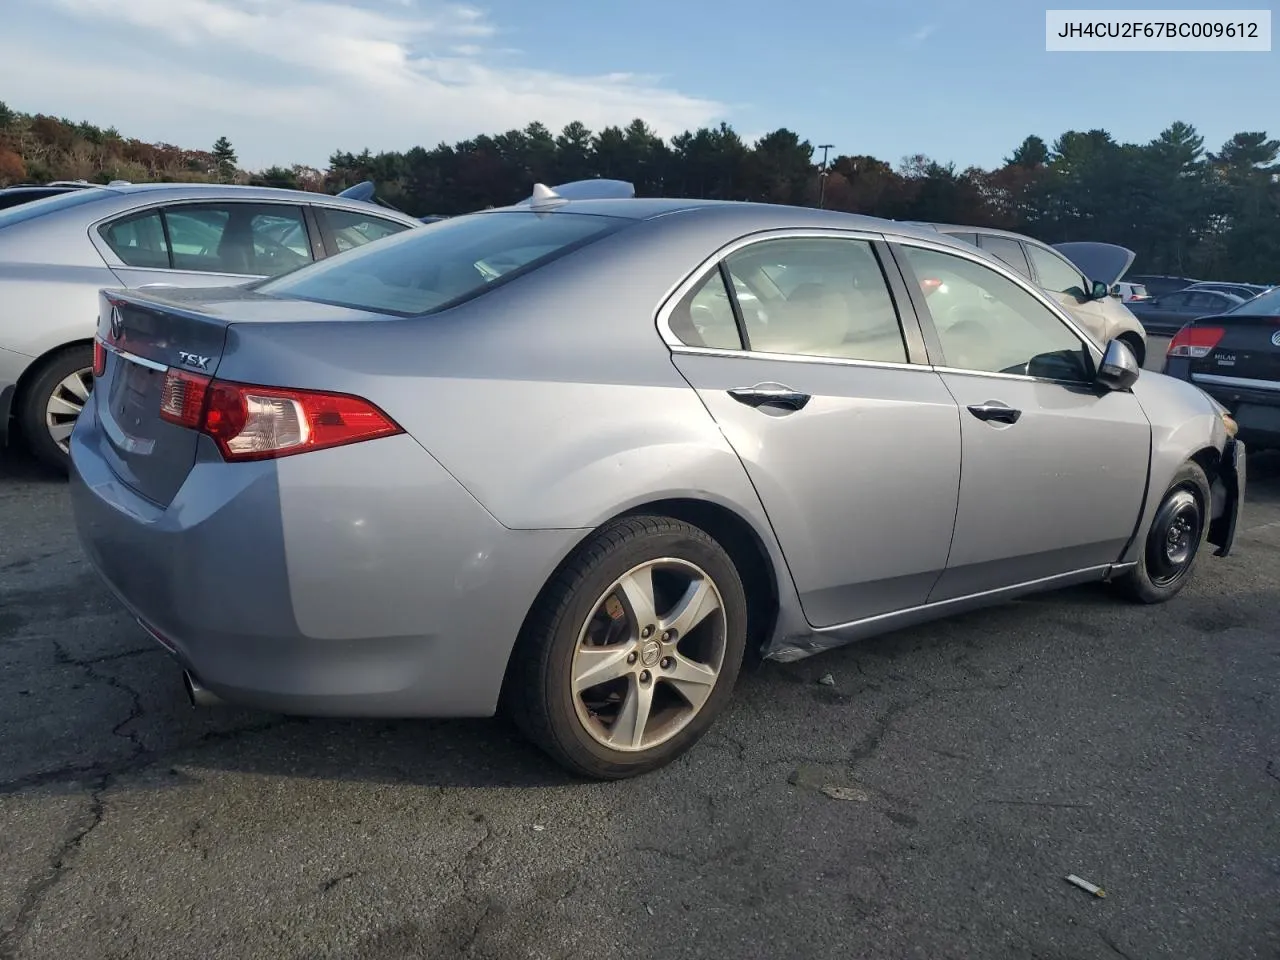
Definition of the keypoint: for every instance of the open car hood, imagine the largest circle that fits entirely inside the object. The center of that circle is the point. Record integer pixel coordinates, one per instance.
(1103, 262)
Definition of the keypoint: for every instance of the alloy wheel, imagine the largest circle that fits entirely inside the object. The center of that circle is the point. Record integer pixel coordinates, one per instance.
(65, 405)
(649, 655)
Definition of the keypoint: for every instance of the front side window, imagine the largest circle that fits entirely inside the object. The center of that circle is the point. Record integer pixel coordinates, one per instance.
(1010, 251)
(239, 238)
(816, 297)
(988, 323)
(350, 229)
(1055, 273)
(422, 271)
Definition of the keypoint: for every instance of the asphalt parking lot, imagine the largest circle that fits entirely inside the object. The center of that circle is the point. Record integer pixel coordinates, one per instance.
(929, 804)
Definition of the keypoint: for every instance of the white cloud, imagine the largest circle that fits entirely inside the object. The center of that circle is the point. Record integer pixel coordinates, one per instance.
(922, 34)
(336, 76)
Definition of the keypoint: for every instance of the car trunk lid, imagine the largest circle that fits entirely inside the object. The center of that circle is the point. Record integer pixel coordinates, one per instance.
(157, 342)
(145, 342)
(1247, 350)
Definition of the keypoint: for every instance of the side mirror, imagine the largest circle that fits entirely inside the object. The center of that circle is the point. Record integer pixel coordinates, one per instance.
(1119, 369)
(1101, 291)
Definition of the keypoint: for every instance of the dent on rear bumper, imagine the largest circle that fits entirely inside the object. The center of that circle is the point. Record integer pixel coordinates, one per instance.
(358, 581)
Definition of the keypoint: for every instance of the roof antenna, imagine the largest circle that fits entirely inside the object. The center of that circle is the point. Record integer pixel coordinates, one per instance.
(544, 198)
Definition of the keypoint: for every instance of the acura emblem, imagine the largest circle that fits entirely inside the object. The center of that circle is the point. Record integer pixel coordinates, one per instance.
(1275, 339)
(117, 324)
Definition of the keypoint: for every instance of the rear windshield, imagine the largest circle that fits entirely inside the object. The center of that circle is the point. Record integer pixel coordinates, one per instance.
(432, 267)
(1264, 305)
(38, 208)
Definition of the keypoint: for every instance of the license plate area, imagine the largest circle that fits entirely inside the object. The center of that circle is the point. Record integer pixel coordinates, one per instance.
(133, 405)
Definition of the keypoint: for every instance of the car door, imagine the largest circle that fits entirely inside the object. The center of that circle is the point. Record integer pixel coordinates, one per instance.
(208, 243)
(1054, 467)
(797, 348)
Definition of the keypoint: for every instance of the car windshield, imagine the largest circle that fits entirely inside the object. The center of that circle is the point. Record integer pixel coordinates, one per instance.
(1263, 305)
(433, 267)
(38, 208)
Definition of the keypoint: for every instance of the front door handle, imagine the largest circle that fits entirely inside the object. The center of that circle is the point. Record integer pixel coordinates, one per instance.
(995, 411)
(770, 395)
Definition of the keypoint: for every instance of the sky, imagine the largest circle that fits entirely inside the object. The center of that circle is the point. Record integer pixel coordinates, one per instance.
(291, 81)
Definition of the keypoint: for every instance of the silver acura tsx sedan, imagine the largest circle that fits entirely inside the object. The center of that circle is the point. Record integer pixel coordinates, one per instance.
(576, 460)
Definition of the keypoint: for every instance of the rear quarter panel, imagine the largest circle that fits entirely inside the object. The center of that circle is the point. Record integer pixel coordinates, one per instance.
(1183, 423)
(553, 400)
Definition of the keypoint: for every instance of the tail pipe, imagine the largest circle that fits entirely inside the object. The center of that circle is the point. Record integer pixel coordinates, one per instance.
(198, 695)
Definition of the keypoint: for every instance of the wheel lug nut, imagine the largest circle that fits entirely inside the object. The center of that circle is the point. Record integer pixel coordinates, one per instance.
(646, 632)
(631, 658)
(667, 663)
(666, 636)
(644, 676)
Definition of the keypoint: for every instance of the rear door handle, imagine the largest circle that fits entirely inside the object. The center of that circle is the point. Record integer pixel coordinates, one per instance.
(770, 395)
(995, 411)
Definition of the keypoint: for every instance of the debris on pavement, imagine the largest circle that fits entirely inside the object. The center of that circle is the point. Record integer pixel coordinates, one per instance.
(846, 793)
(1086, 885)
(539, 827)
(827, 680)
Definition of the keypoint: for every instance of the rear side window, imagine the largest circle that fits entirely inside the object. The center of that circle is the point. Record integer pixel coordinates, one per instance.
(1010, 251)
(239, 238)
(138, 240)
(433, 267)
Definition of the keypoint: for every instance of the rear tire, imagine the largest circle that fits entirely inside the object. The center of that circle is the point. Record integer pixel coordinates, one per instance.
(1174, 541)
(612, 681)
(52, 402)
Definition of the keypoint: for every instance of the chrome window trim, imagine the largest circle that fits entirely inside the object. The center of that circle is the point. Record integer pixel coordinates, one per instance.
(954, 248)
(1246, 383)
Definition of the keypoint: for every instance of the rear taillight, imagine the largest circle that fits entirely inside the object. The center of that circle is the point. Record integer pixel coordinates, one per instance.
(99, 358)
(260, 423)
(1195, 342)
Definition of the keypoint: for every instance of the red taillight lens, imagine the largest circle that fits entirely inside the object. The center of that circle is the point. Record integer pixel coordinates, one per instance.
(1195, 342)
(259, 423)
(99, 358)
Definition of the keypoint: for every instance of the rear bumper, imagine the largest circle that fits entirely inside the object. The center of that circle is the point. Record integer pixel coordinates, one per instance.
(11, 367)
(1256, 411)
(357, 581)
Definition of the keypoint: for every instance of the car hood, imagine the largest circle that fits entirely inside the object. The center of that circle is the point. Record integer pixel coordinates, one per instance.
(1104, 262)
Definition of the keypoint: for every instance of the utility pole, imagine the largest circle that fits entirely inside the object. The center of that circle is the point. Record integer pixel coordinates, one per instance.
(822, 176)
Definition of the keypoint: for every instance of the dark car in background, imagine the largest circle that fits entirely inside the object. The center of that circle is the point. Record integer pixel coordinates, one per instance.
(1235, 358)
(1159, 286)
(1245, 291)
(27, 192)
(1166, 314)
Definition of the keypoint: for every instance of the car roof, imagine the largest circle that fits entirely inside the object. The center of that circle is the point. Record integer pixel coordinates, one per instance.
(766, 215)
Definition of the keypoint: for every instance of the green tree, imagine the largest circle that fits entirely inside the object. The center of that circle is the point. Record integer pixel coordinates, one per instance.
(224, 156)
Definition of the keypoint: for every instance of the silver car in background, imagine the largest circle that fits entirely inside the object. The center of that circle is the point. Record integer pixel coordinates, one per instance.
(57, 253)
(578, 459)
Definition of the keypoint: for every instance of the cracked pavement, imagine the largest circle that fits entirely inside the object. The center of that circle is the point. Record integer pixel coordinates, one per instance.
(929, 804)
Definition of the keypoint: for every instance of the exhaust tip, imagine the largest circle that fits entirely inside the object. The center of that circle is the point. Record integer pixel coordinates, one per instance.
(198, 695)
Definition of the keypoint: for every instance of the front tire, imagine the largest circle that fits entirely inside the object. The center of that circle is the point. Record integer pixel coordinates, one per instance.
(632, 650)
(52, 403)
(1173, 543)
